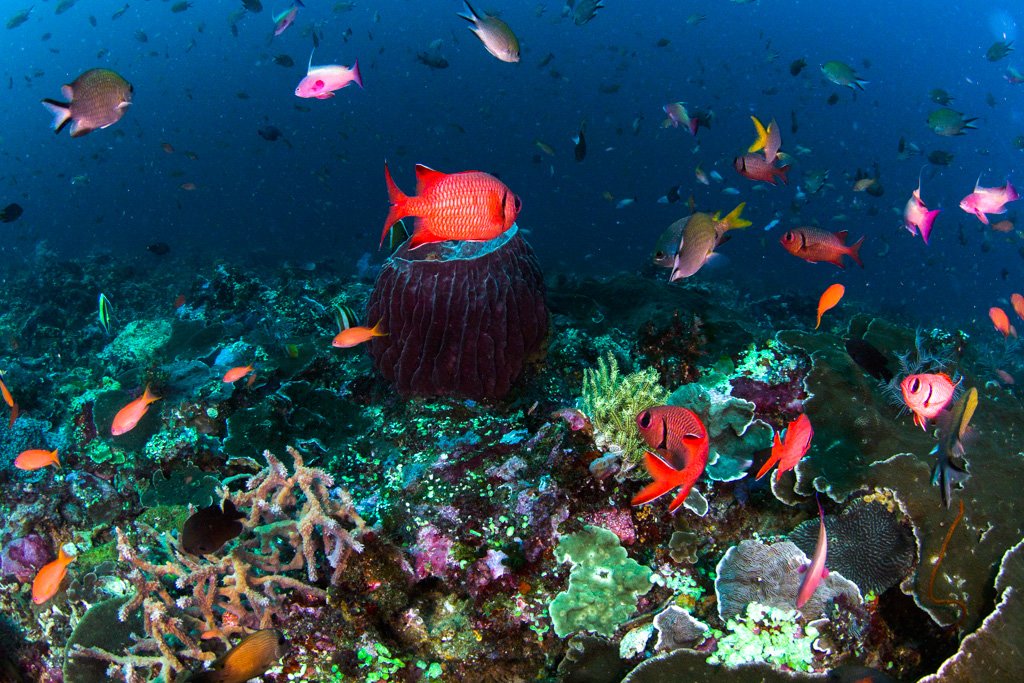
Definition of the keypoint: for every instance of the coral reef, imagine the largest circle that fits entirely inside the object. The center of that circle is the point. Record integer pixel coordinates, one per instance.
(291, 519)
(765, 634)
(462, 318)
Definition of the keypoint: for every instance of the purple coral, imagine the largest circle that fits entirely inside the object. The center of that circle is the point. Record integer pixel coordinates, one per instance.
(431, 553)
(462, 318)
(23, 557)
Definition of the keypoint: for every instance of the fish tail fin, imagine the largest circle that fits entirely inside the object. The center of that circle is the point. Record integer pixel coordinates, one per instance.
(734, 218)
(398, 200)
(1011, 192)
(927, 222)
(376, 331)
(762, 136)
(781, 172)
(969, 123)
(665, 479)
(860, 82)
(61, 113)
(64, 557)
(854, 251)
(774, 458)
(356, 76)
(469, 14)
(56, 459)
(148, 396)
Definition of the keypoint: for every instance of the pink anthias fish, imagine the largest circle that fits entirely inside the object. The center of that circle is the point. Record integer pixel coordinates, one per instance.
(321, 81)
(986, 200)
(286, 18)
(677, 115)
(816, 571)
(916, 216)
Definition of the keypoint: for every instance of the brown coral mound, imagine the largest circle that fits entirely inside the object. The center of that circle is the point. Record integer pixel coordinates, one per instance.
(866, 543)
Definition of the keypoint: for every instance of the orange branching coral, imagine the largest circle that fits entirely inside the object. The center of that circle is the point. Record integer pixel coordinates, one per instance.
(291, 519)
(960, 605)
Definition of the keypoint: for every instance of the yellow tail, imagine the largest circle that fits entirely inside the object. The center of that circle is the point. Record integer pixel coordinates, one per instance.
(762, 136)
(732, 219)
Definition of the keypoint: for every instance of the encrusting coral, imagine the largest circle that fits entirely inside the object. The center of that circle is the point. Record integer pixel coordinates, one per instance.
(290, 519)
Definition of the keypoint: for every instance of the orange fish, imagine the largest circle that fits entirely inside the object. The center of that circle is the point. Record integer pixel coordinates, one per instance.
(788, 451)
(683, 438)
(470, 205)
(1017, 301)
(354, 336)
(1001, 321)
(814, 245)
(927, 395)
(9, 400)
(36, 459)
(48, 580)
(829, 298)
(179, 301)
(1003, 226)
(235, 374)
(129, 416)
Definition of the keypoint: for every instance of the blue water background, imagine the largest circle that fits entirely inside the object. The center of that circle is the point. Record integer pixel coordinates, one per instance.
(324, 196)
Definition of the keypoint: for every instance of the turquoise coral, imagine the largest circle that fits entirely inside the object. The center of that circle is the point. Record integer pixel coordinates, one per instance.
(603, 586)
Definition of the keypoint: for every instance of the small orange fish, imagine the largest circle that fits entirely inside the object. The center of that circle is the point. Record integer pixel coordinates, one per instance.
(788, 450)
(129, 416)
(1001, 321)
(355, 336)
(1003, 226)
(235, 374)
(829, 298)
(188, 187)
(9, 400)
(48, 579)
(1017, 301)
(36, 459)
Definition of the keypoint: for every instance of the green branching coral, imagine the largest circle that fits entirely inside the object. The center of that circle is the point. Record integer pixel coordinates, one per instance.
(765, 634)
(603, 587)
(612, 401)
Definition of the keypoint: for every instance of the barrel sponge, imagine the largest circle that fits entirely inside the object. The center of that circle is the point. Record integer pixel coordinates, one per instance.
(462, 318)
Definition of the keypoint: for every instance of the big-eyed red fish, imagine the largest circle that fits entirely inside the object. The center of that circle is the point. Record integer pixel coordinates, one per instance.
(754, 167)
(470, 205)
(927, 395)
(814, 245)
(788, 450)
(680, 443)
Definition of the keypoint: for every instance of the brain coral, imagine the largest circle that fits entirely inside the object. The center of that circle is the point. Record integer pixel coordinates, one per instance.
(770, 574)
(461, 318)
(866, 543)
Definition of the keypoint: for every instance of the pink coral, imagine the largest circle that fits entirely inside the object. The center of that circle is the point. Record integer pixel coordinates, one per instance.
(431, 553)
(23, 557)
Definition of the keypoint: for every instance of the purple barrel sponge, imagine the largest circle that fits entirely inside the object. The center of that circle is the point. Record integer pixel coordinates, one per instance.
(23, 557)
(462, 317)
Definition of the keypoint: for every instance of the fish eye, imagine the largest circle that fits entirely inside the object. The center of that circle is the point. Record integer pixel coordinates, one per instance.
(788, 237)
(915, 385)
(644, 420)
(517, 203)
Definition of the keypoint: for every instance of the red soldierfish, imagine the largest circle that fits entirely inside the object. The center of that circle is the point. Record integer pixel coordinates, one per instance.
(470, 205)
(816, 572)
(927, 395)
(814, 245)
(677, 436)
(917, 217)
(788, 451)
(320, 82)
(286, 18)
(988, 200)
(678, 116)
(754, 167)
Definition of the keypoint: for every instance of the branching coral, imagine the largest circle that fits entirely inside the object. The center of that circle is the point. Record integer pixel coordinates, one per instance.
(291, 518)
(612, 401)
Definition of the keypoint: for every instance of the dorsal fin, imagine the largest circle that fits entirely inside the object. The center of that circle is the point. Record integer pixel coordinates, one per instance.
(426, 177)
(841, 235)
